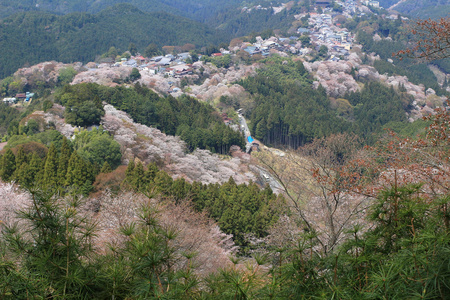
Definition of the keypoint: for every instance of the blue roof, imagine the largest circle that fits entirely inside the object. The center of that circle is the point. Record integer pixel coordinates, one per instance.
(249, 139)
(250, 49)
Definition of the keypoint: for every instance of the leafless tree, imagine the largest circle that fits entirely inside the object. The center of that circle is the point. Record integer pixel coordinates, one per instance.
(311, 180)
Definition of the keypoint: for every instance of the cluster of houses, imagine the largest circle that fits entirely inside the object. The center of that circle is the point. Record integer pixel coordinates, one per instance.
(25, 97)
(371, 3)
(323, 32)
(263, 47)
(168, 65)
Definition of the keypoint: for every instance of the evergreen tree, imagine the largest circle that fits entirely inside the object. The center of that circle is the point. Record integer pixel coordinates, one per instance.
(261, 129)
(20, 157)
(21, 175)
(78, 172)
(133, 49)
(20, 160)
(129, 174)
(56, 253)
(35, 170)
(51, 168)
(138, 180)
(8, 165)
(106, 168)
(63, 163)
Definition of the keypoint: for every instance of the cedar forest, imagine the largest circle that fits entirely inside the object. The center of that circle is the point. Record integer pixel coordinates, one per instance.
(361, 205)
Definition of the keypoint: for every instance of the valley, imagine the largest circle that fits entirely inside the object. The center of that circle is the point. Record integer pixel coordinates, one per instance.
(230, 150)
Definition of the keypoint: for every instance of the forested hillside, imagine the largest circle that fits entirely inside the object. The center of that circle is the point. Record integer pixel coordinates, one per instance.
(424, 9)
(32, 37)
(195, 122)
(195, 9)
(289, 112)
(117, 183)
(240, 23)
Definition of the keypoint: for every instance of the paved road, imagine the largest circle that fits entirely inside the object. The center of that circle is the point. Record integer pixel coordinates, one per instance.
(244, 128)
(268, 178)
(265, 176)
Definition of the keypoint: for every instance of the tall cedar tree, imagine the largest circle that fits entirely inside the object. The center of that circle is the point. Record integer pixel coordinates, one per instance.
(8, 165)
(64, 157)
(51, 167)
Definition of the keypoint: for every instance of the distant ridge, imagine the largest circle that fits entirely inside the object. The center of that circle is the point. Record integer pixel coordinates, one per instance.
(32, 37)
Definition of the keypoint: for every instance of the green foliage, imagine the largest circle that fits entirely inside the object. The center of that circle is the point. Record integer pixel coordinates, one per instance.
(98, 147)
(59, 168)
(54, 255)
(46, 138)
(66, 75)
(404, 253)
(196, 123)
(424, 9)
(288, 110)
(152, 50)
(132, 48)
(257, 20)
(375, 106)
(80, 175)
(7, 165)
(51, 168)
(323, 51)
(106, 168)
(406, 129)
(63, 163)
(220, 61)
(238, 209)
(83, 106)
(416, 73)
(195, 9)
(7, 116)
(135, 75)
(32, 127)
(81, 36)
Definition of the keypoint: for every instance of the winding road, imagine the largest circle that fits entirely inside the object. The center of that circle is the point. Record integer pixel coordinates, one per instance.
(265, 176)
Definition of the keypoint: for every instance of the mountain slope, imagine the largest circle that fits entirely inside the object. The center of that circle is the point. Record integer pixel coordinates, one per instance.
(419, 9)
(425, 8)
(195, 9)
(31, 37)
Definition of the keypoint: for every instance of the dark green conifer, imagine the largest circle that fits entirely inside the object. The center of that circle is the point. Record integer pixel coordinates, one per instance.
(56, 252)
(130, 169)
(129, 174)
(21, 175)
(7, 165)
(138, 180)
(20, 157)
(77, 172)
(63, 163)
(106, 168)
(51, 167)
(35, 170)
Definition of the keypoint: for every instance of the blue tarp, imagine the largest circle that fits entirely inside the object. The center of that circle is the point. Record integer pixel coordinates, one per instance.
(249, 139)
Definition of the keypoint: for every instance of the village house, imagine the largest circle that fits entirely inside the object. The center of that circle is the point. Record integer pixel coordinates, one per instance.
(9, 100)
(21, 96)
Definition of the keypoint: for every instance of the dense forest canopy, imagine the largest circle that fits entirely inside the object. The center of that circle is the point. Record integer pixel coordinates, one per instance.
(290, 112)
(196, 123)
(350, 222)
(425, 8)
(34, 37)
(195, 9)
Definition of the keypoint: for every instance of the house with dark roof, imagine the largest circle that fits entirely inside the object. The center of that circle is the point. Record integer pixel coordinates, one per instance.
(21, 96)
